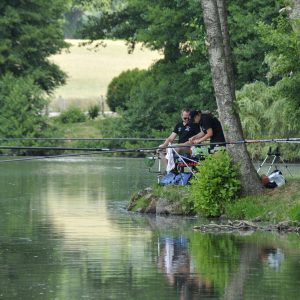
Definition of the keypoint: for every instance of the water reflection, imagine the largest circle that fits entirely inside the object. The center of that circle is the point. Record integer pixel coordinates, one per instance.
(175, 262)
(65, 234)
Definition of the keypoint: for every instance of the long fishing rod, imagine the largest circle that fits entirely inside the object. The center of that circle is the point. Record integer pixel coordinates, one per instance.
(48, 156)
(137, 150)
(287, 140)
(82, 139)
(246, 141)
(99, 151)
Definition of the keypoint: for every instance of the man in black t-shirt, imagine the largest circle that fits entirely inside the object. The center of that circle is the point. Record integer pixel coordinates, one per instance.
(182, 130)
(210, 128)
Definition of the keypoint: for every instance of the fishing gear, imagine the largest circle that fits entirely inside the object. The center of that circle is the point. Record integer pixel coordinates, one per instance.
(274, 156)
(82, 139)
(48, 156)
(139, 150)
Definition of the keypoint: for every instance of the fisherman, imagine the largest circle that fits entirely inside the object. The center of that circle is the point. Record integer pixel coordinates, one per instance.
(208, 127)
(182, 130)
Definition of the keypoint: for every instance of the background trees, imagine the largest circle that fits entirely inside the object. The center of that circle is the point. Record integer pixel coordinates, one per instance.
(176, 29)
(30, 32)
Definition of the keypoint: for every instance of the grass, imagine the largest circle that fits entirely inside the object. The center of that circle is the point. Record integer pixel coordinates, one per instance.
(90, 71)
(274, 205)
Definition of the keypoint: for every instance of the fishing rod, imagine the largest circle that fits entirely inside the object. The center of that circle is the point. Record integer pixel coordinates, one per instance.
(287, 140)
(82, 139)
(275, 140)
(245, 141)
(137, 150)
(48, 156)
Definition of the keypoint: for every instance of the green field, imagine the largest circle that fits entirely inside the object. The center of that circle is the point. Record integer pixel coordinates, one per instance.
(90, 71)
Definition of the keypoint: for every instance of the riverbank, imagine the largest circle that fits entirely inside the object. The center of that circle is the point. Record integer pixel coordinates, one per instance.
(274, 205)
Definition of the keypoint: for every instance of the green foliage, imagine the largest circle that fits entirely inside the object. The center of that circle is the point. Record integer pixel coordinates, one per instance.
(182, 78)
(283, 59)
(72, 115)
(248, 49)
(22, 107)
(294, 213)
(273, 111)
(215, 184)
(119, 89)
(93, 111)
(208, 252)
(30, 32)
(176, 28)
(156, 101)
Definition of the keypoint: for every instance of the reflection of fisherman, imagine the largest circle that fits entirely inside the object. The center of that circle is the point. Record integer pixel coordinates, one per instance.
(273, 257)
(175, 262)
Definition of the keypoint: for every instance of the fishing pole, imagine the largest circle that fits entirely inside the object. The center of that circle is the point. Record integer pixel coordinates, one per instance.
(245, 141)
(82, 139)
(137, 150)
(287, 140)
(47, 156)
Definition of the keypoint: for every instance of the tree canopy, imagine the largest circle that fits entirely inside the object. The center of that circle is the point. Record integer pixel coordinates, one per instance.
(30, 32)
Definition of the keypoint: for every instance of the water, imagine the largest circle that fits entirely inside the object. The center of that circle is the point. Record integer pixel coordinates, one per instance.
(65, 234)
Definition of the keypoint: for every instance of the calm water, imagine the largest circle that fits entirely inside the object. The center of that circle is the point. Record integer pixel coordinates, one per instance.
(65, 234)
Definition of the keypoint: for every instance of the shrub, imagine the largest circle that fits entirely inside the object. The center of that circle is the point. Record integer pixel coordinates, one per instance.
(72, 115)
(119, 89)
(93, 111)
(22, 113)
(215, 184)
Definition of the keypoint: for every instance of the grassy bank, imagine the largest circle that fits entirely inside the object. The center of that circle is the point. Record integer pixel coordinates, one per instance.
(274, 205)
(90, 72)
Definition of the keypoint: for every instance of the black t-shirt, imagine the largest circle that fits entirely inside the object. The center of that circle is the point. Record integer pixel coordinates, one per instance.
(184, 132)
(208, 121)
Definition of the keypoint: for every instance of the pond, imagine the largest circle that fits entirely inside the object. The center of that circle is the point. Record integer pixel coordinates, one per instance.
(65, 234)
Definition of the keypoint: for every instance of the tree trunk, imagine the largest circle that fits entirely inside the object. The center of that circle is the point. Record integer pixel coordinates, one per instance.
(225, 95)
(235, 288)
(222, 11)
(295, 13)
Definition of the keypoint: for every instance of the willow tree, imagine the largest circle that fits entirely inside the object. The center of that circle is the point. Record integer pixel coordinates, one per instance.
(217, 40)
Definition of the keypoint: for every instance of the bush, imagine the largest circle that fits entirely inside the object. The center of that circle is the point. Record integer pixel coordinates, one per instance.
(72, 115)
(22, 113)
(215, 184)
(93, 111)
(119, 89)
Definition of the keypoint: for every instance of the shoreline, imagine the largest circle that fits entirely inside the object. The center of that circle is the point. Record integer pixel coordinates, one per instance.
(275, 210)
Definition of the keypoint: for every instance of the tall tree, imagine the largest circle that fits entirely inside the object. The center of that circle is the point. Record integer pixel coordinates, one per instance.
(295, 12)
(31, 31)
(225, 96)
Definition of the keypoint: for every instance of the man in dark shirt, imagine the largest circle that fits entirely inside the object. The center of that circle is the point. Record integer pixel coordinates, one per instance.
(210, 128)
(182, 130)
